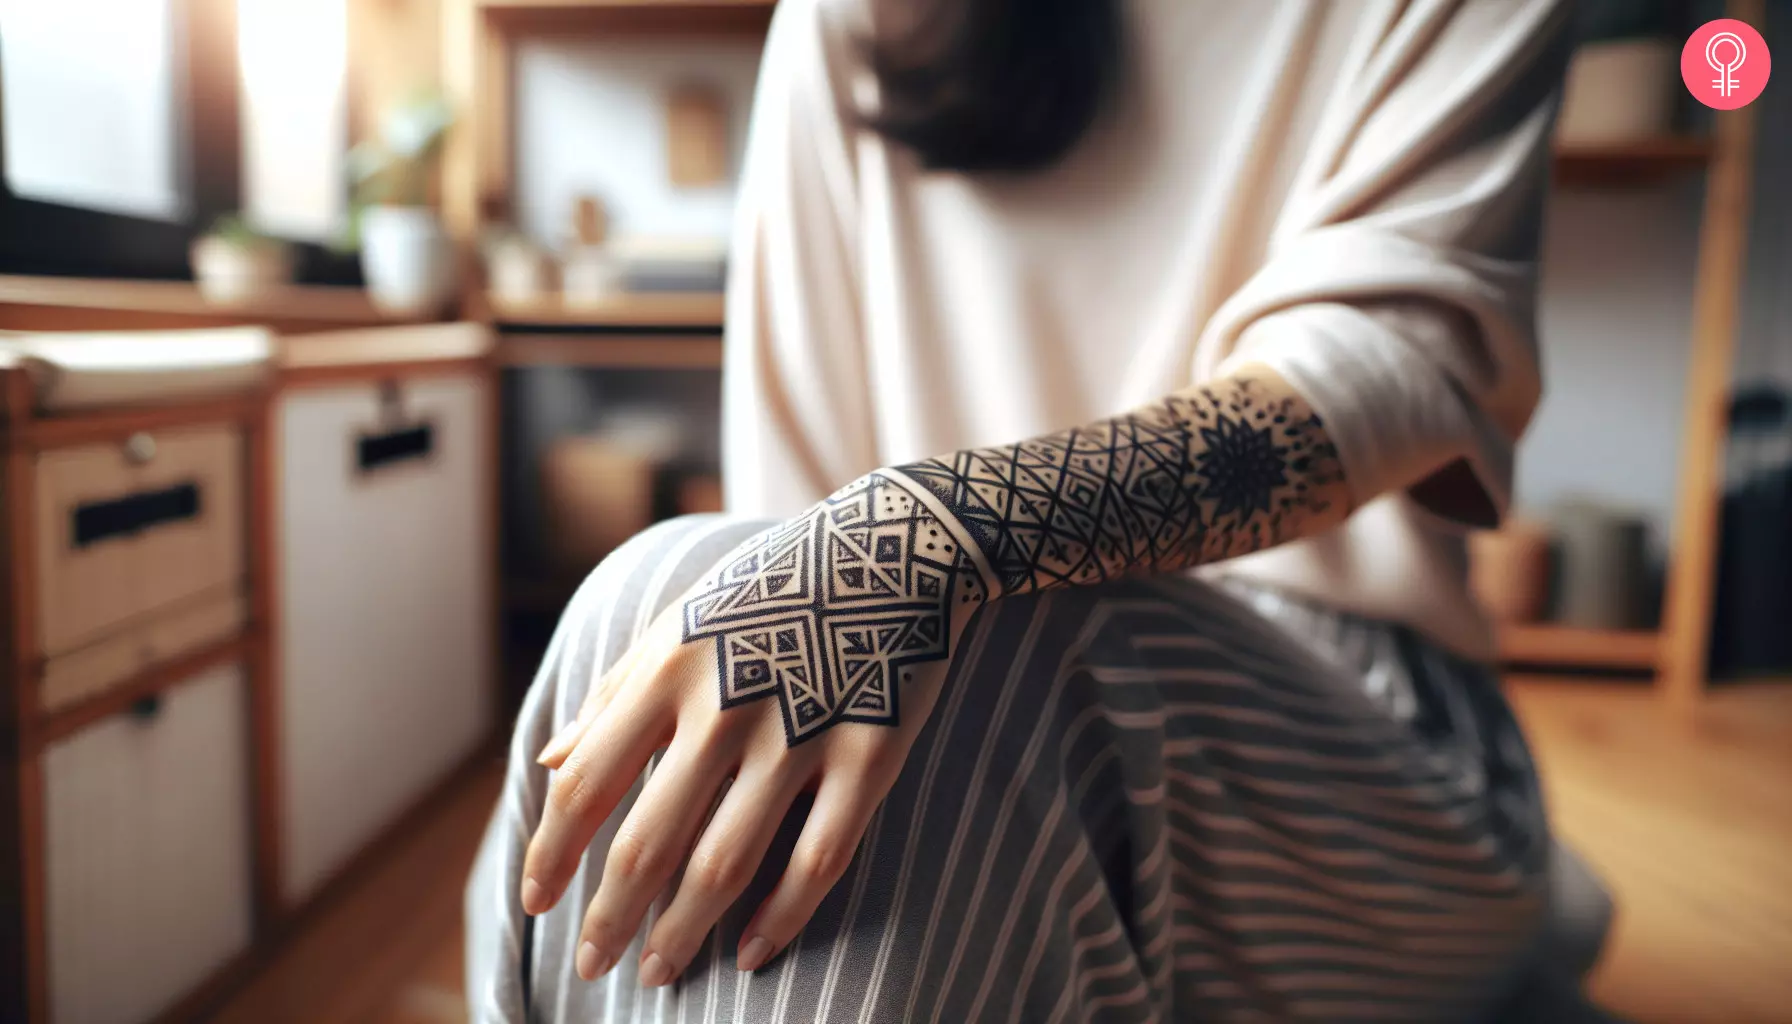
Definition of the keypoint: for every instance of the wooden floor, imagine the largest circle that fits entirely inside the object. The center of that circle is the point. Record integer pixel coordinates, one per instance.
(1692, 827)
(388, 951)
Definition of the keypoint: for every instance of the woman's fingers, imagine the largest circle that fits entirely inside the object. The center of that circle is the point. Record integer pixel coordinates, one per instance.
(596, 699)
(590, 783)
(843, 807)
(650, 845)
(720, 868)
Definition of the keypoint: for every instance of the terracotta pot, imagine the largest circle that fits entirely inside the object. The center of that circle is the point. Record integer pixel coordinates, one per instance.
(1510, 571)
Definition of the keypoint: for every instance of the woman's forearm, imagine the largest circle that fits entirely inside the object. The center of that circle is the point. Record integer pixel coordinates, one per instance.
(1216, 471)
(830, 609)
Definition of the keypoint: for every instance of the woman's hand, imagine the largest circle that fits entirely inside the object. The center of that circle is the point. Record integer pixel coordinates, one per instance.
(808, 660)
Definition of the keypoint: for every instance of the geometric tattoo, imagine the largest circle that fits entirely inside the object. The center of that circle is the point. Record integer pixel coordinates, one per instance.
(1201, 476)
(825, 611)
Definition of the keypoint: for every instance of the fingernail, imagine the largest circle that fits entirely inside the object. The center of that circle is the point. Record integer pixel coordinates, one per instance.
(655, 971)
(754, 954)
(592, 963)
(559, 740)
(535, 898)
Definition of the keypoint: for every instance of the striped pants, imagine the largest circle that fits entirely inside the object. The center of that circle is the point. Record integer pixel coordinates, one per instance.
(1151, 800)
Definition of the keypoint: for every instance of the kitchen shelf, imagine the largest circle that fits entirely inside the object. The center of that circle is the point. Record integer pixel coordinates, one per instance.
(612, 351)
(97, 304)
(685, 16)
(1573, 647)
(1632, 163)
(699, 311)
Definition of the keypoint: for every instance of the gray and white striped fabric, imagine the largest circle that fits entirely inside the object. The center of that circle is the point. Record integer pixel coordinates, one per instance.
(1153, 800)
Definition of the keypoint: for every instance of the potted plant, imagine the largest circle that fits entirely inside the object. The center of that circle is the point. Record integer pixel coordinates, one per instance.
(234, 264)
(405, 252)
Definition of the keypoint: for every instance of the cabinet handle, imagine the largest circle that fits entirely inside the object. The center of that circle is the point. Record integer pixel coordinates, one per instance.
(139, 448)
(146, 709)
(96, 521)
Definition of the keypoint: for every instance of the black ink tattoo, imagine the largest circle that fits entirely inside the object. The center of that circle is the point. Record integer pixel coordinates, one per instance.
(1201, 476)
(824, 612)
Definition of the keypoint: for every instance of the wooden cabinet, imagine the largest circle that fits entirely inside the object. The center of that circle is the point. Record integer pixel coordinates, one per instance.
(133, 697)
(139, 548)
(240, 638)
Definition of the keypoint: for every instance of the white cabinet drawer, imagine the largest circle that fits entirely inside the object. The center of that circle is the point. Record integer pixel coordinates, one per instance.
(386, 605)
(127, 529)
(147, 853)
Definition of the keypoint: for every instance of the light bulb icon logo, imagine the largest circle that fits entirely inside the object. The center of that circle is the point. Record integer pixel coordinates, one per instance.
(1725, 64)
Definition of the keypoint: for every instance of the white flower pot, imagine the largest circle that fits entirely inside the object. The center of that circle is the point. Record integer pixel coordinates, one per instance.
(407, 260)
(518, 273)
(230, 274)
(589, 277)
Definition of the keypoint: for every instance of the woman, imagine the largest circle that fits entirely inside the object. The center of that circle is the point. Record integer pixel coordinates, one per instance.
(1108, 383)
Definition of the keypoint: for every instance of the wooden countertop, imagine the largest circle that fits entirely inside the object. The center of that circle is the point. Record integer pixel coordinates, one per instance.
(78, 304)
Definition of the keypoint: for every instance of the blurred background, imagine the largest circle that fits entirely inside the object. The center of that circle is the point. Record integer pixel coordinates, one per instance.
(340, 338)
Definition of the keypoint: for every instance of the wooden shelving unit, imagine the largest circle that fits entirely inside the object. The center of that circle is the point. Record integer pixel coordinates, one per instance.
(613, 351)
(628, 332)
(1571, 647)
(623, 17)
(692, 311)
(1632, 163)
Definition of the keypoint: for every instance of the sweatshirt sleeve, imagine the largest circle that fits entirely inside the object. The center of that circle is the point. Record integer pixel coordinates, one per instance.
(794, 315)
(1399, 295)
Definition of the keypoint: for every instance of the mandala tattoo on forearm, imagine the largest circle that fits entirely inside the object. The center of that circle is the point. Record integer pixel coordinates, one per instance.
(1203, 475)
(828, 611)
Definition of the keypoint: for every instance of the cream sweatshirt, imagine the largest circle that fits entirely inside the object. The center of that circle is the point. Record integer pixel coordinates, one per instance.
(1349, 192)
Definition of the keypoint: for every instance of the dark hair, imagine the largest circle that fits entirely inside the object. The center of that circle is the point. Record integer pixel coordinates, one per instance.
(993, 85)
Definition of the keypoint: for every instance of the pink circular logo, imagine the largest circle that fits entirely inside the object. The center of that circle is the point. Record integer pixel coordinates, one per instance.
(1725, 64)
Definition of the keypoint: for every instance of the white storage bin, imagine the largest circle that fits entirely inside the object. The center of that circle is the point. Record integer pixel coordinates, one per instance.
(386, 610)
(147, 853)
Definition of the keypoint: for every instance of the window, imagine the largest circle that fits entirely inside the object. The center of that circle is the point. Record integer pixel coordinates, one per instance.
(128, 126)
(294, 56)
(91, 112)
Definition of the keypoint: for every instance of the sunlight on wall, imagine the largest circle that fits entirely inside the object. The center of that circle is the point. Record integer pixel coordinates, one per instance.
(90, 115)
(294, 55)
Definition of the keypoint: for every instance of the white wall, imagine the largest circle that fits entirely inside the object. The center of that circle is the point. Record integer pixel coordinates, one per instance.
(1615, 323)
(590, 120)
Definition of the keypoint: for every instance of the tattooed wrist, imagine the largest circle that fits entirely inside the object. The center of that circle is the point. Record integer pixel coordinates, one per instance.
(828, 611)
(1206, 474)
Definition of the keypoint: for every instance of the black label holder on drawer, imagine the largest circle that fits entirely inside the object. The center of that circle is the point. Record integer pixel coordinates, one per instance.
(374, 452)
(96, 521)
(398, 441)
